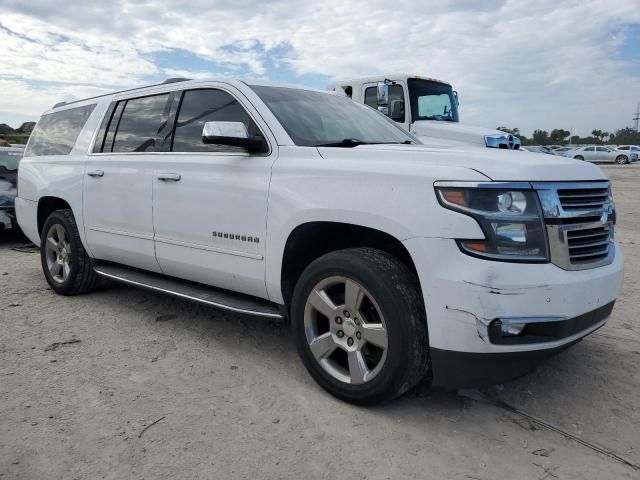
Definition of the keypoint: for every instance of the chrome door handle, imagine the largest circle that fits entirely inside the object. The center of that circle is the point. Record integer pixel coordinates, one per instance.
(169, 177)
(96, 173)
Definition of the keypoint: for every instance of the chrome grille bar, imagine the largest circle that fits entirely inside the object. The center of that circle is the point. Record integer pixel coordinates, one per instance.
(579, 221)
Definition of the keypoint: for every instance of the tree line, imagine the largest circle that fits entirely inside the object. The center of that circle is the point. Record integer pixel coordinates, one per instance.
(560, 136)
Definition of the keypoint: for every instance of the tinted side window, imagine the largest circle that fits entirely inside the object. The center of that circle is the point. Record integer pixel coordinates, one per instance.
(602, 149)
(590, 149)
(396, 101)
(112, 126)
(141, 120)
(56, 133)
(207, 105)
(625, 147)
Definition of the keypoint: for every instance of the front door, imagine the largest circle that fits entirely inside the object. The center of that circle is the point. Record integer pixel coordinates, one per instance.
(210, 201)
(117, 186)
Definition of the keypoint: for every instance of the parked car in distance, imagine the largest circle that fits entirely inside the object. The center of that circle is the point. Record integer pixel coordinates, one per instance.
(9, 160)
(562, 151)
(602, 154)
(392, 261)
(628, 149)
(536, 149)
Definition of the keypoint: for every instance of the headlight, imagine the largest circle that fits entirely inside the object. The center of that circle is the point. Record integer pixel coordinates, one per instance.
(510, 218)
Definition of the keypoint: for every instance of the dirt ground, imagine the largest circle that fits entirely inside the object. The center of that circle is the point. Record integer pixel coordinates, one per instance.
(230, 399)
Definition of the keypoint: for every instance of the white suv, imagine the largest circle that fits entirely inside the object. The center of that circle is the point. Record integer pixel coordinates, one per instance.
(392, 261)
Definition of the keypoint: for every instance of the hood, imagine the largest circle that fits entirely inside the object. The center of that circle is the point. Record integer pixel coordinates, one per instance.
(452, 132)
(498, 165)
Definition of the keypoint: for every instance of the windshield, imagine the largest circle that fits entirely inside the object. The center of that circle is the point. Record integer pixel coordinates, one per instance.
(9, 160)
(320, 119)
(432, 101)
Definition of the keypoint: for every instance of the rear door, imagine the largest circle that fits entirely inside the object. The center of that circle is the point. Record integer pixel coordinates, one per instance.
(210, 201)
(589, 153)
(117, 193)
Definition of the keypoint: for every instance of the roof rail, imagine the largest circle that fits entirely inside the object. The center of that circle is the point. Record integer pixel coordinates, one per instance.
(168, 80)
(175, 79)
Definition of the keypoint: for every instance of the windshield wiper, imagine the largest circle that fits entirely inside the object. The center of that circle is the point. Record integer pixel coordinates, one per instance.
(345, 143)
(354, 142)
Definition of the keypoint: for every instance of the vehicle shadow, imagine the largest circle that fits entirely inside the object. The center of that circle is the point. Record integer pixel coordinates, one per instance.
(259, 342)
(14, 239)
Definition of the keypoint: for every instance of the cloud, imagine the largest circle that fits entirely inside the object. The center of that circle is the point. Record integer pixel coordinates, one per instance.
(548, 63)
(20, 97)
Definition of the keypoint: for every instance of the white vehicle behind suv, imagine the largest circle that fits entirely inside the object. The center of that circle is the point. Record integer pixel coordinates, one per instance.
(424, 106)
(392, 261)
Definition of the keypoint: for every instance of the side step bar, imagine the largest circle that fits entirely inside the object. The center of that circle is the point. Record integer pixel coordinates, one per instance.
(214, 297)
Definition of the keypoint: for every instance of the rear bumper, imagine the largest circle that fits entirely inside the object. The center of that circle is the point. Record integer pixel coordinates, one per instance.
(27, 216)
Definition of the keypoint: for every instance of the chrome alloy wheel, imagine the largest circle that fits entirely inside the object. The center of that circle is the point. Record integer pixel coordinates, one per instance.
(58, 253)
(345, 330)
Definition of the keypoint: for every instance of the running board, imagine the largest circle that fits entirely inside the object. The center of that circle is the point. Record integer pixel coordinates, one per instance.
(195, 292)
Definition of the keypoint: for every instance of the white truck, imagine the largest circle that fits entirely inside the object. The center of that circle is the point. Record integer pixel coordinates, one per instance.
(424, 106)
(392, 261)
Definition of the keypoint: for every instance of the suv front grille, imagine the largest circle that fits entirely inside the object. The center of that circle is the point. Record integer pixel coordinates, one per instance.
(588, 245)
(579, 218)
(580, 199)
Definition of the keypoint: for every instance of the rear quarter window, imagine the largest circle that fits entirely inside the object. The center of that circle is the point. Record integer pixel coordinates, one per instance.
(56, 133)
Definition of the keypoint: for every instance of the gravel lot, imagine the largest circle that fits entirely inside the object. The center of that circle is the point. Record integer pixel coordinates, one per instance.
(231, 400)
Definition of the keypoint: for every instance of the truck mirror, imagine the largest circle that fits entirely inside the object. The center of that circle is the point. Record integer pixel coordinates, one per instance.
(455, 95)
(383, 94)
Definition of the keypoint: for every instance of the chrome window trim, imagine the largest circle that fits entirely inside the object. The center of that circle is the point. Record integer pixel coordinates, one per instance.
(181, 89)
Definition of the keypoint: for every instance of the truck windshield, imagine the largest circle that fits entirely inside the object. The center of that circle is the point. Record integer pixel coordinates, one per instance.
(315, 119)
(432, 101)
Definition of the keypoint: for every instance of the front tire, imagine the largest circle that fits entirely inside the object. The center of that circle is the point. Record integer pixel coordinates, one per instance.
(578, 157)
(65, 263)
(360, 326)
(622, 160)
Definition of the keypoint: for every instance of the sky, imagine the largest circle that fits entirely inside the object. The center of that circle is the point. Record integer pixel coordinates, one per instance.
(572, 64)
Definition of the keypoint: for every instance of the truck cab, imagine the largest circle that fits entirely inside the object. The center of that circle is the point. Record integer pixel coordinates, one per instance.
(424, 106)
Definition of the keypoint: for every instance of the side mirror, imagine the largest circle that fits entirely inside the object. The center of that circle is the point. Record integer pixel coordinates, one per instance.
(455, 95)
(233, 134)
(383, 98)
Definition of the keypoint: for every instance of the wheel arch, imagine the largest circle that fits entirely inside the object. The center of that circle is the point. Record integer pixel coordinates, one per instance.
(310, 240)
(46, 206)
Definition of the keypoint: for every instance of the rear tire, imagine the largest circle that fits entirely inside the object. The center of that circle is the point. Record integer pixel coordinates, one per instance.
(622, 160)
(65, 263)
(579, 157)
(363, 312)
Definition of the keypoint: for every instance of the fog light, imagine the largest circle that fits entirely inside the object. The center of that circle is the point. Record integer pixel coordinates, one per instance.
(511, 329)
(499, 329)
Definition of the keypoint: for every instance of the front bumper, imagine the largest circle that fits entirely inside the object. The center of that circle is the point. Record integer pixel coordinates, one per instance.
(464, 295)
